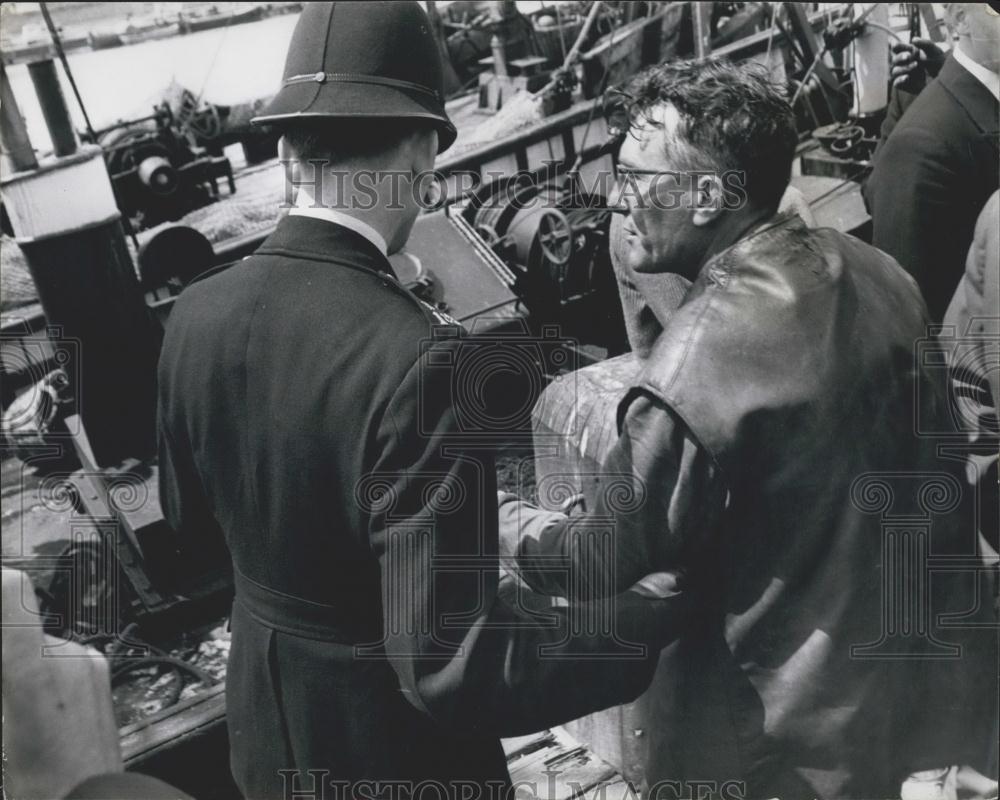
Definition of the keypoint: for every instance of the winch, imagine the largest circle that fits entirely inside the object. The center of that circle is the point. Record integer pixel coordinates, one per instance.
(554, 238)
(158, 170)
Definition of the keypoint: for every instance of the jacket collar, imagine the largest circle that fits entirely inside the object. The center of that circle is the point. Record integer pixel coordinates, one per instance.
(987, 78)
(340, 218)
(969, 92)
(321, 240)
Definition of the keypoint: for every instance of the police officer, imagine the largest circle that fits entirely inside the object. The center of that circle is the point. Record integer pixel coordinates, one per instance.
(307, 412)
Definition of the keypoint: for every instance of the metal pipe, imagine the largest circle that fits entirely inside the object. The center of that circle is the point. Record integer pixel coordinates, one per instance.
(499, 56)
(66, 224)
(871, 60)
(54, 109)
(13, 132)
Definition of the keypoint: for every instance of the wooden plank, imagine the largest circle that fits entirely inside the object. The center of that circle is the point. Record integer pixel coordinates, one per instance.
(616, 736)
(173, 725)
(802, 28)
(835, 203)
(614, 789)
(545, 152)
(547, 765)
(550, 126)
(932, 23)
(517, 746)
(556, 767)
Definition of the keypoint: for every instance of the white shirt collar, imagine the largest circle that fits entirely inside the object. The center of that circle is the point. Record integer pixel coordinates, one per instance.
(303, 208)
(991, 80)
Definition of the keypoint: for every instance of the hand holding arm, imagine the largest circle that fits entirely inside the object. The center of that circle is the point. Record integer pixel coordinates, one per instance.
(465, 652)
(661, 497)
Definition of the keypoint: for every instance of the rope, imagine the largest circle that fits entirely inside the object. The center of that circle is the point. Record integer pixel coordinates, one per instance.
(562, 33)
(887, 29)
(218, 49)
(770, 35)
(578, 161)
(122, 664)
(808, 75)
(157, 660)
(118, 647)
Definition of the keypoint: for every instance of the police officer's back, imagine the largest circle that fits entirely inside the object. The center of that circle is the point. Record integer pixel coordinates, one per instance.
(304, 411)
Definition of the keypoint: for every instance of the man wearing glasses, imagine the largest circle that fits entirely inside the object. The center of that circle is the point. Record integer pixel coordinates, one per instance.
(769, 436)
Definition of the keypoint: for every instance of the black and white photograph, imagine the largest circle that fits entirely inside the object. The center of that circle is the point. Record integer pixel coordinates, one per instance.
(500, 400)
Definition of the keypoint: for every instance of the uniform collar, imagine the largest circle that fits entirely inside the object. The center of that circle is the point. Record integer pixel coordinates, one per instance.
(304, 208)
(304, 236)
(991, 80)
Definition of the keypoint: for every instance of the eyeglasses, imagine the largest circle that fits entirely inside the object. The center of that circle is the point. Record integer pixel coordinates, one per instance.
(626, 172)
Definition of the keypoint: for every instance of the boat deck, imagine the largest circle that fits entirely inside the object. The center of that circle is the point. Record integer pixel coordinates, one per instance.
(547, 765)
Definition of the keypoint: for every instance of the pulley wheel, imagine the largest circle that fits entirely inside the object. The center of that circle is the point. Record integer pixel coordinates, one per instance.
(555, 236)
(177, 253)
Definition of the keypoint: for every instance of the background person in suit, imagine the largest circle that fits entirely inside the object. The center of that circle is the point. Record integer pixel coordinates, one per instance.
(307, 412)
(940, 163)
(913, 64)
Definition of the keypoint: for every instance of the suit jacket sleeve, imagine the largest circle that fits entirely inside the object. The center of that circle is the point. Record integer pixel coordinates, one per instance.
(899, 101)
(462, 653)
(660, 501)
(913, 202)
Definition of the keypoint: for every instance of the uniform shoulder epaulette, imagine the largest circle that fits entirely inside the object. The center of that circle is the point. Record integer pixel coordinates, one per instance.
(208, 273)
(440, 317)
(437, 316)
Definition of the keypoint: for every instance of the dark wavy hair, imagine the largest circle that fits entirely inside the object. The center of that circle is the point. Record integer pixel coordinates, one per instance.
(732, 117)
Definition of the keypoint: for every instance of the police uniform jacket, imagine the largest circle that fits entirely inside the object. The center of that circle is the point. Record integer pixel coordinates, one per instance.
(308, 411)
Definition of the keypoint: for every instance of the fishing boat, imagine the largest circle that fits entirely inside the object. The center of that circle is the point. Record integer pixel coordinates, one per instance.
(136, 33)
(194, 23)
(508, 267)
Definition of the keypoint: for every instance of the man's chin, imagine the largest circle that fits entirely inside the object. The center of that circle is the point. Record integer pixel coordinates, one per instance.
(644, 264)
(637, 257)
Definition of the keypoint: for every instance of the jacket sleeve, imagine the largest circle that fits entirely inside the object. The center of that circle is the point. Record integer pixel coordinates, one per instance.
(183, 500)
(658, 505)
(914, 193)
(899, 101)
(464, 654)
(180, 493)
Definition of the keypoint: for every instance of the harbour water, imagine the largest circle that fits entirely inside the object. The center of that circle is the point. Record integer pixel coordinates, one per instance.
(225, 66)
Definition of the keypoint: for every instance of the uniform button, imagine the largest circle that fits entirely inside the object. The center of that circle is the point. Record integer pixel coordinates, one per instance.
(320, 77)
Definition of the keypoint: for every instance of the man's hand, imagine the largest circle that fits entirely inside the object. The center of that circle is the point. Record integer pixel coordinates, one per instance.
(914, 63)
(948, 783)
(657, 585)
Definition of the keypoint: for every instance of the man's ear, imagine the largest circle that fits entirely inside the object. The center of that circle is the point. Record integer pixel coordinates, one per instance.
(956, 19)
(708, 199)
(421, 149)
(293, 172)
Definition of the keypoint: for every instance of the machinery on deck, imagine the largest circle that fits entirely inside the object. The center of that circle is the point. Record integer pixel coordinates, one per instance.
(159, 170)
(554, 238)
